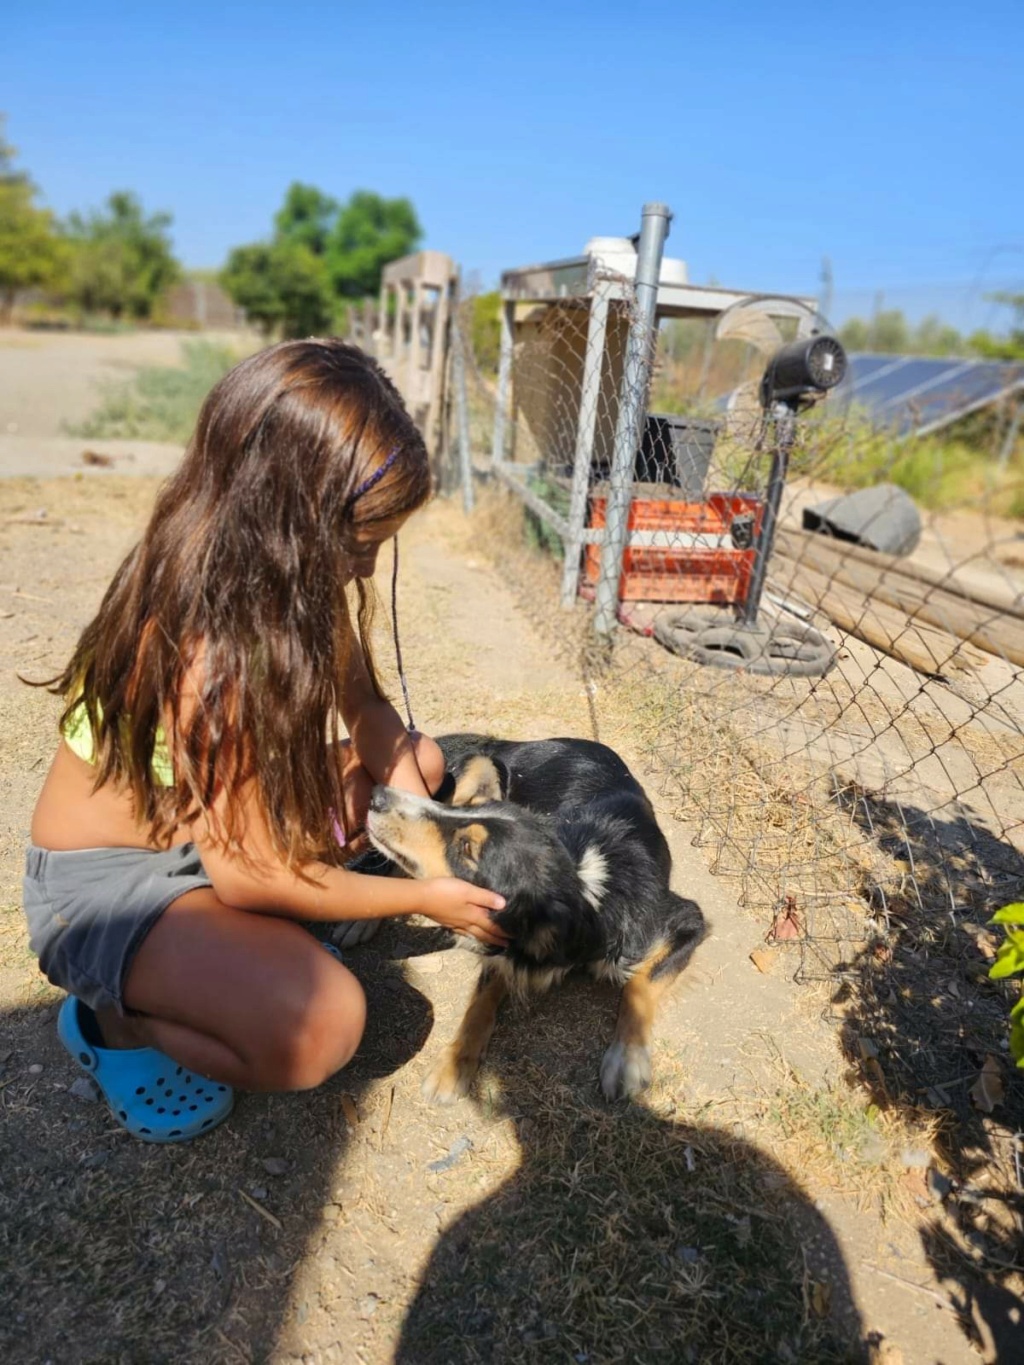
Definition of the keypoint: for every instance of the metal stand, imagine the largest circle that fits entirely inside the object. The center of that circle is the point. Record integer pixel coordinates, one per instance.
(746, 643)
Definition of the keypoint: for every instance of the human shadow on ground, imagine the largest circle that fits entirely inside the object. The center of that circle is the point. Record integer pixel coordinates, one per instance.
(115, 1250)
(920, 1018)
(625, 1235)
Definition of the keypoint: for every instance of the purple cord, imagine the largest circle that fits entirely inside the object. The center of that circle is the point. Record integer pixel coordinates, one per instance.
(374, 478)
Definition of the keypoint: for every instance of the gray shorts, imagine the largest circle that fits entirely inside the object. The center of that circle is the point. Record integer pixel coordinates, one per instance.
(89, 909)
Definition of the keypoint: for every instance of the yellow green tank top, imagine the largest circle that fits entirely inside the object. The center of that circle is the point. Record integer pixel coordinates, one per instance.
(78, 736)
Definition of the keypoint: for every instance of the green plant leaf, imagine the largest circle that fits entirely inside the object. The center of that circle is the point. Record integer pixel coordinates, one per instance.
(1009, 914)
(1009, 959)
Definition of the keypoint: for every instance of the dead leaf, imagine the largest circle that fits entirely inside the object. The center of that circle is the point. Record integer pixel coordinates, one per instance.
(764, 960)
(93, 457)
(350, 1111)
(987, 1090)
(820, 1298)
(786, 924)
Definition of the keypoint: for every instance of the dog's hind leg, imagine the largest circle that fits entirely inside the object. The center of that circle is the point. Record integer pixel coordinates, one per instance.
(626, 1066)
(454, 1073)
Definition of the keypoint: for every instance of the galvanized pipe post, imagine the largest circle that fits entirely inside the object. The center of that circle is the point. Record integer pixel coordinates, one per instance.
(783, 420)
(636, 380)
(504, 380)
(461, 405)
(590, 393)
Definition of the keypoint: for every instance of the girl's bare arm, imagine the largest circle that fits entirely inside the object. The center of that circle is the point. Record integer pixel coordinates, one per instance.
(379, 737)
(250, 875)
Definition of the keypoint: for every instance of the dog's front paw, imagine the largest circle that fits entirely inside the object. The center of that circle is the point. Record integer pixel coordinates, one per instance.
(449, 1080)
(625, 1070)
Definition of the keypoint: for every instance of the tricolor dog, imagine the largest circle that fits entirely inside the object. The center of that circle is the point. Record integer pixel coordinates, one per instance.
(565, 833)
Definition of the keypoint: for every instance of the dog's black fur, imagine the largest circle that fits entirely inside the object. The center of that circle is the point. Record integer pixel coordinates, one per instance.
(566, 834)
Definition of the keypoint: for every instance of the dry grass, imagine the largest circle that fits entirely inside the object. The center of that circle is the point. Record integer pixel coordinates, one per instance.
(637, 1236)
(890, 892)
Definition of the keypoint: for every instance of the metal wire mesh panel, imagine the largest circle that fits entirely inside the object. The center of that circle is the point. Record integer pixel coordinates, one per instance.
(861, 778)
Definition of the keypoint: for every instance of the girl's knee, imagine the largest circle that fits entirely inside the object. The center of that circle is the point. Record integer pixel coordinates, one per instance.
(313, 1033)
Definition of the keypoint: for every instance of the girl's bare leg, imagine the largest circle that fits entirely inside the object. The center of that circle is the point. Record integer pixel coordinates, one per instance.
(247, 999)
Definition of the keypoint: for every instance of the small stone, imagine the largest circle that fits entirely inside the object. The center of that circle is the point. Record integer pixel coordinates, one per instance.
(429, 963)
(258, 1191)
(159, 1287)
(456, 1152)
(368, 1306)
(688, 1255)
(85, 1088)
(764, 959)
(916, 1158)
(35, 1069)
(276, 1165)
(95, 1160)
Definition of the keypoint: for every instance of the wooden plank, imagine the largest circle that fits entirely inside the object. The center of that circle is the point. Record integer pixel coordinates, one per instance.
(919, 646)
(1005, 600)
(994, 630)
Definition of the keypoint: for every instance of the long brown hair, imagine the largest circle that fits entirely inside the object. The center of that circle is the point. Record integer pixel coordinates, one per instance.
(245, 557)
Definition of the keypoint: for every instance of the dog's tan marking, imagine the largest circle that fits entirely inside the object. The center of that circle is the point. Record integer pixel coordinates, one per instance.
(419, 845)
(626, 1067)
(478, 783)
(454, 1072)
(469, 840)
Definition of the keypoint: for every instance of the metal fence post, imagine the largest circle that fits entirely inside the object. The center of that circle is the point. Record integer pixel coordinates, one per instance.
(462, 406)
(590, 392)
(504, 381)
(636, 379)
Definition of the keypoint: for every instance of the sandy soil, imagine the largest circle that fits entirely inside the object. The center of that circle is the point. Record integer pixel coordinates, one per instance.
(362, 1248)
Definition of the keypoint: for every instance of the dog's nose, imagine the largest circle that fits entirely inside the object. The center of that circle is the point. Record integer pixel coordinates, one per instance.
(380, 799)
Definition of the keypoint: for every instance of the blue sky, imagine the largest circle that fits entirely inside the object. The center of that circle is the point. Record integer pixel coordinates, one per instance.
(885, 136)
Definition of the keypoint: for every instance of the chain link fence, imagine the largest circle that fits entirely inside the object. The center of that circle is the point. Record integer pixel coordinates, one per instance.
(831, 688)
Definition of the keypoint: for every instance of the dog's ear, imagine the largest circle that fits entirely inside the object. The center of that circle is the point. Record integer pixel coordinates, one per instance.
(555, 928)
(479, 780)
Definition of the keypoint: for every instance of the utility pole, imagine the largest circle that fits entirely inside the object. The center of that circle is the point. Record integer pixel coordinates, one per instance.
(825, 297)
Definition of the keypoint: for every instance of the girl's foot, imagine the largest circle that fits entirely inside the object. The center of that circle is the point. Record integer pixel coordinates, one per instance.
(149, 1094)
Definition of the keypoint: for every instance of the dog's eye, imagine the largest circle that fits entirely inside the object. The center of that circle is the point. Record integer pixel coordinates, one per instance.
(464, 847)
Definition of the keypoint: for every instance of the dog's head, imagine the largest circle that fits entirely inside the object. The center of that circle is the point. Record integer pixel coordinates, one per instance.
(497, 845)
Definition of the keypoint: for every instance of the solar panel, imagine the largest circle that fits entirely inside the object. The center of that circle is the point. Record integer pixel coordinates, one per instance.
(911, 395)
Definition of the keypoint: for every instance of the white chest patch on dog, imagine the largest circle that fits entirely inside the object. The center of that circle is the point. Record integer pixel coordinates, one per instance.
(593, 873)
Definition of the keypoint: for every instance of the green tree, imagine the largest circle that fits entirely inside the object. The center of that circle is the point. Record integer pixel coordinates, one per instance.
(121, 261)
(32, 254)
(888, 332)
(1003, 347)
(854, 335)
(320, 256)
(306, 218)
(369, 232)
(932, 336)
(281, 285)
(485, 329)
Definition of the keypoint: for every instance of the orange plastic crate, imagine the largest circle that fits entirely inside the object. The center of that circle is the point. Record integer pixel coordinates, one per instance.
(681, 572)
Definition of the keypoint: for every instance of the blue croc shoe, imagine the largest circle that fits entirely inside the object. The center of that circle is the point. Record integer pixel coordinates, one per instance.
(150, 1095)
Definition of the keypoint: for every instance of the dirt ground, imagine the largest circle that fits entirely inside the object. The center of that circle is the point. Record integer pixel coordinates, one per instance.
(752, 1208)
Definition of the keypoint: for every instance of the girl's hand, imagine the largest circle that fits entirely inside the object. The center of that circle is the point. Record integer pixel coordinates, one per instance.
(463, 908)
